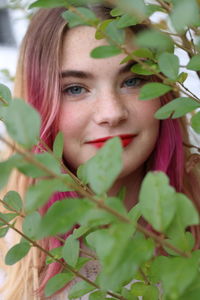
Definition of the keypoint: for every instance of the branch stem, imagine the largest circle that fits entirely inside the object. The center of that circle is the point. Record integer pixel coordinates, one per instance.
(98, 202)
(64, 265)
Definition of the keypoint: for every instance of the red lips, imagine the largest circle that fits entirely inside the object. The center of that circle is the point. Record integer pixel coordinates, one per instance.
(126, 139)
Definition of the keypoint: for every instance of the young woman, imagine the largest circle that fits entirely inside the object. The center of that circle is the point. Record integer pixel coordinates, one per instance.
(90, 101)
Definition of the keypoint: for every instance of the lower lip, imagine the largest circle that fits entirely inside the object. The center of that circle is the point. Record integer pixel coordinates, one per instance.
(125, 143)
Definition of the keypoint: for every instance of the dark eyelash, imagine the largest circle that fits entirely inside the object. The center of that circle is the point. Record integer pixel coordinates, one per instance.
(142, 80)
(65, 89)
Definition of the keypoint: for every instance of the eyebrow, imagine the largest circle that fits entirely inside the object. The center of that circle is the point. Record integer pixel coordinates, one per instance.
(87, 75)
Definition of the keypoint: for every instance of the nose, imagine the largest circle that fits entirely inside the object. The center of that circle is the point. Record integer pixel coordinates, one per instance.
(110, 109)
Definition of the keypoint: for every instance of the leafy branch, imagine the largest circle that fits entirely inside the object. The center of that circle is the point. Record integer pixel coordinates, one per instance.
(98, 201)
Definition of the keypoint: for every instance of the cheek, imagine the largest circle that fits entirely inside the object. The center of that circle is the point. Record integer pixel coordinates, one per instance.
(146, 111)
(69, 119)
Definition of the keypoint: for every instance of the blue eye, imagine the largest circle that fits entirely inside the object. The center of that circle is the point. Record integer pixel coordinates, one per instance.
(132, 82)
(74, 90)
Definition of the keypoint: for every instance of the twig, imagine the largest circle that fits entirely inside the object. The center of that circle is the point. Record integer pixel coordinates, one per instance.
(65, 265)
(88, 254)
(160, 240)
(164, 5)
(74, 177)
(4, 101)
(99, 202)
(193, 95)
(192, 40)
(144, 276)
(30, 158)
(191, 146)
(11, 209)
(81, 250)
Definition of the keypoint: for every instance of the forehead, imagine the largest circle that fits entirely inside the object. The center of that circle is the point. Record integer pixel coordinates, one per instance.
(77, 45)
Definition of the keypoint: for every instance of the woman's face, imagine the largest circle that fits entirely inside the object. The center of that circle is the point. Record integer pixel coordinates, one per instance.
(100, 101)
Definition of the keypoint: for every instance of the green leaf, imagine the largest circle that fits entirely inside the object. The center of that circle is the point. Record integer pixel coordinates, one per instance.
(193, 290)
(115, 12)
(183, 241)
(136, 7)
(7, 217)
(148, 292)
(115, 34)
(144, 53)
(151, 293)
(169, 65)
(6, 168)
(139, 69)
(82, 16)
(98, 295)
(151, 9)
(19, 120)
(30, 225)
(195, 122)
(60, 3)
(48, 3)
(137, 251)
(78, 232)
(157, 200)
(96, 217)
(126, 21)
(70, 251)
(82, 175)
(123, 233)
(16, 253)
(186, 213)
(100, 32)
(5, 95)
(126, 293)
(81, 262)
(56, 252)
(14, 201)
(105, 51)
(80, 289)
(67, 213)
(122, 193)
(45, 160)
(194, 63)
(153, 90)
(182, 77)
(57, 282)
(155, 40)
(3, 231)
(177, 273)
(185, 13)
(117, 205)
(176, 108)
(101, 241)
(155, 271)
(39, 193)
(58, 145)
(135, 213)
(102, 169)
(113, 251)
